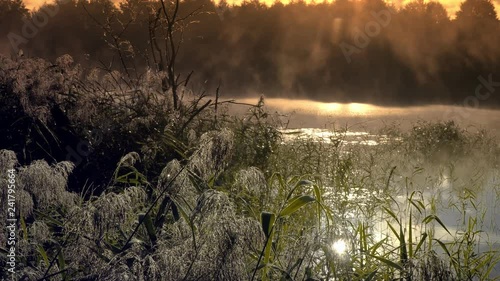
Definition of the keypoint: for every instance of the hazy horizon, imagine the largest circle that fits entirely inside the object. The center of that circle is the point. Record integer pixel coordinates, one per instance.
(452, 6)
(343, 51)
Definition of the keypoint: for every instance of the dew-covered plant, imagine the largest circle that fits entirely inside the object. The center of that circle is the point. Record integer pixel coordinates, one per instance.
(181, 201)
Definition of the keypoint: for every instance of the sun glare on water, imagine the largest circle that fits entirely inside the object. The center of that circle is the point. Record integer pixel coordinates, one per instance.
(320, 108)
(347, 108)
(330, 107)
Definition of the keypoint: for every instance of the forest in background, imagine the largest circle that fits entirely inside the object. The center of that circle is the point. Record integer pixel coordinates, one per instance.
(344, 51)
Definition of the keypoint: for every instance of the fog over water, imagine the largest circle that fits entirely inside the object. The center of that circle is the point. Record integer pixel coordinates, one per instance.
(357, 116)
(311, 119)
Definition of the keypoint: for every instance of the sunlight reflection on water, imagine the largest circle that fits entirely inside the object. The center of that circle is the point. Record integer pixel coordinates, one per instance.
(444, 193)
(306, 120)
(328, 136)
(357, 116)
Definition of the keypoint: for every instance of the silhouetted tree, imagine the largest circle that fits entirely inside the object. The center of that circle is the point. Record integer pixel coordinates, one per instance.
(280, 49)
(436, 13)
(476, 10)
(12, 13)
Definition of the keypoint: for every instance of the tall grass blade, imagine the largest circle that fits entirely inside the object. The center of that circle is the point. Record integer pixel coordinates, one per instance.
(430, 218)
(387, 261)
(420, 243)
(42, 253)
(296, 204)
(148, 223)
(267, 222)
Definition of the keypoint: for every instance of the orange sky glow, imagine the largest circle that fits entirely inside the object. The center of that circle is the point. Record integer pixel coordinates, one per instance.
(452, 6)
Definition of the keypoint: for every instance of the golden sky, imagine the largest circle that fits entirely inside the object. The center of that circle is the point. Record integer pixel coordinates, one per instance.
(451, 5)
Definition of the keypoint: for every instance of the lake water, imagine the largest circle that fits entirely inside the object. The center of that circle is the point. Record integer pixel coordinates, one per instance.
(363, 117)
(355, 124)
(448, 199)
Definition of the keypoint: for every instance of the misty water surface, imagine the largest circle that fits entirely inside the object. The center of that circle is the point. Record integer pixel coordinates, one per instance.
(318, 121)
(357, 116)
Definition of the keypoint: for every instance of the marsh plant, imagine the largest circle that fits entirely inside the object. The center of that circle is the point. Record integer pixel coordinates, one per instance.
(93, 117)
(181, 191)
(339, 213)
(122, 233)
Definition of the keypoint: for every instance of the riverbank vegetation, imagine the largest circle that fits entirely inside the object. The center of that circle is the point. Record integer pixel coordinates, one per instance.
(118, 184)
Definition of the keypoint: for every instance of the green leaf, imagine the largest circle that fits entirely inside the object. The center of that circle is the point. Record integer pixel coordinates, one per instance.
(393, 230)
(267, 221)
(25, 229)
(418, 205)
(373, 249)
(443, 246)
(424, 236)
(62, 264)
(185, 216)
(371, 275)
(133, 177)
(387, 262)
(182, 211)
(98, 252)
(392, 214)
(317, 194)
(112, 247)
(42, 253)
(305, 182)
(296, 204)
(403, 250)
(197, 182)
(410, 236)
(389, 178)
(50, 220)
(297, 185)
(148, 223)
(430, 218)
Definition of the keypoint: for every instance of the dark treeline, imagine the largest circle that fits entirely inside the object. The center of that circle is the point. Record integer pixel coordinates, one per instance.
(345, 51)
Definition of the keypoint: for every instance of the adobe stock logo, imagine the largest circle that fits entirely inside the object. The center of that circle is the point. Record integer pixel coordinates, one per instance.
(30, 28)
(482, 92)
(362, 37)
(84, 148)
